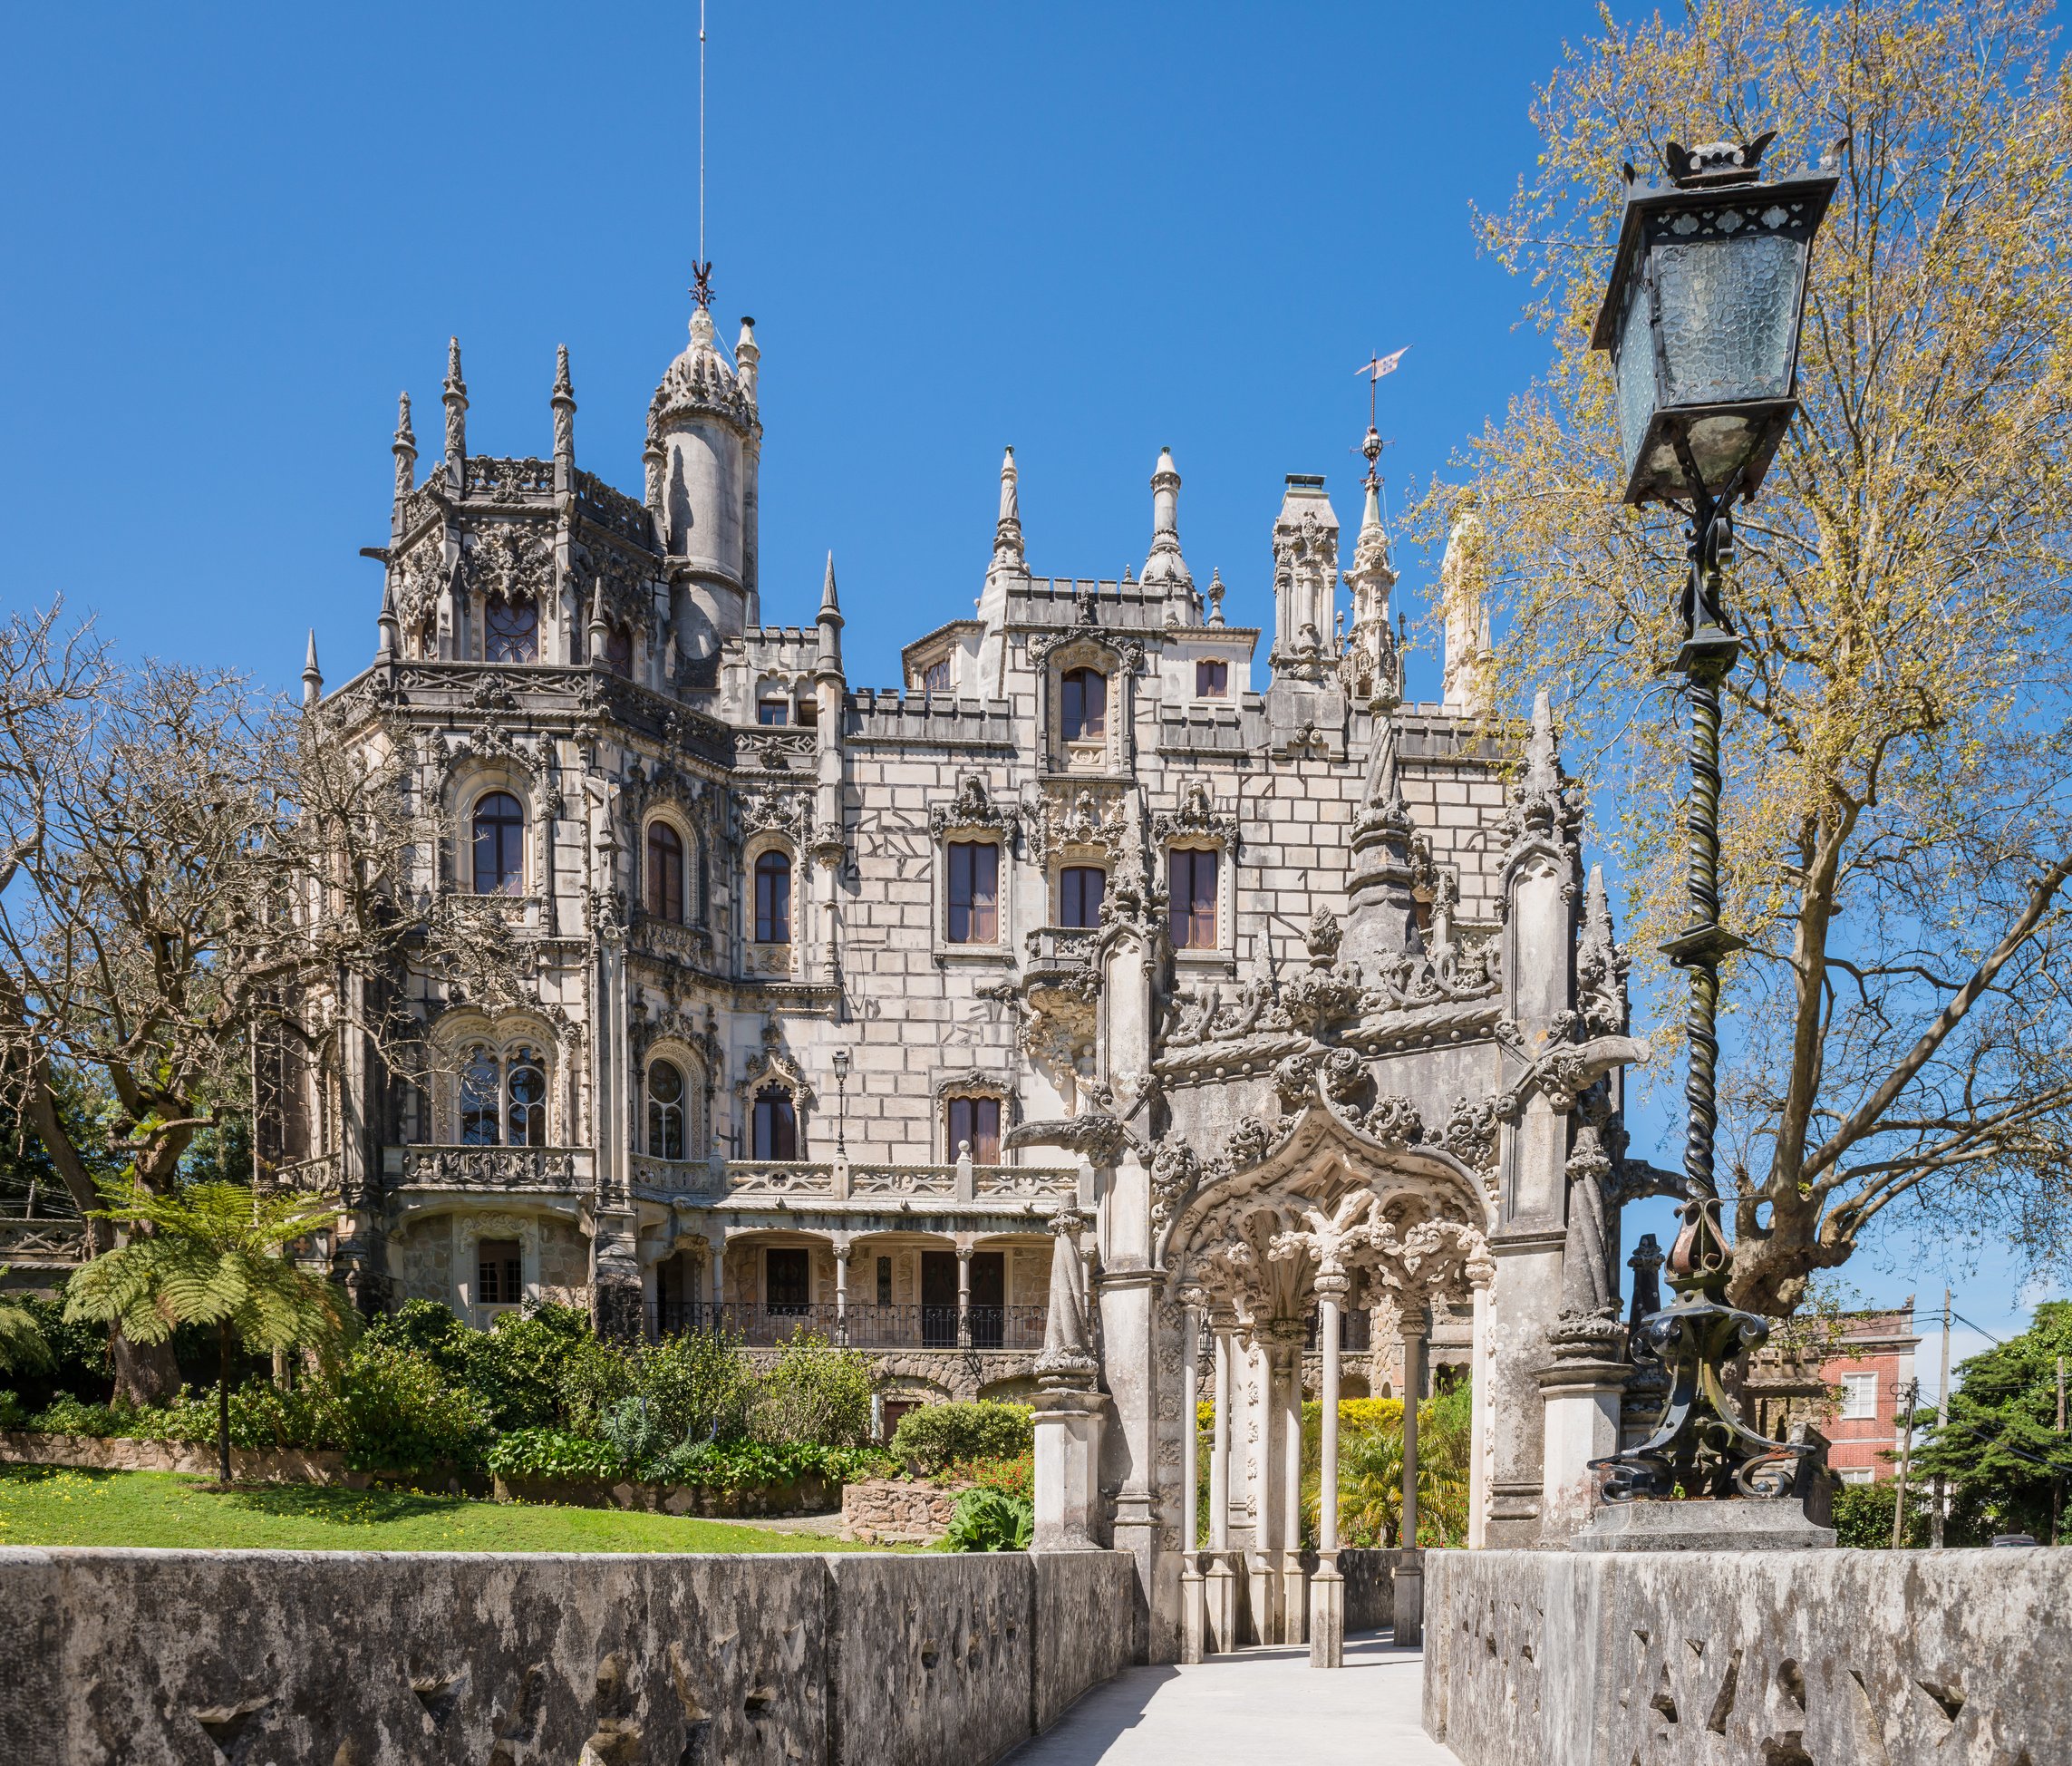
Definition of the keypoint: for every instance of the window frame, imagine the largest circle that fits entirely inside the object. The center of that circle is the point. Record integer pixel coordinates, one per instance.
(658, 888)
(1089, 731)
(495, 639)
(774, 921)
(1194, 855)
(981, 915)
(516, 828)
(660, 1110)
(1859, 1397)
(781, 707)
(773, 1095)
(975, 1104)
(1222, 688)
(1079, 871)
(505, 1272)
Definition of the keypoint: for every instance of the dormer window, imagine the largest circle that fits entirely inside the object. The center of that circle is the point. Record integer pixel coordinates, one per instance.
(935, 677)
(1083, 704)
(1212, 678)
(773, 713)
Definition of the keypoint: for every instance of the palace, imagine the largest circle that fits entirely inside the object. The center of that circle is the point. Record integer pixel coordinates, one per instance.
(1121, 1005)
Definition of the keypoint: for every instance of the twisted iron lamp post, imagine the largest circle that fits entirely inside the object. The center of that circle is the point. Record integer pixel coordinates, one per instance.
(1702, 323)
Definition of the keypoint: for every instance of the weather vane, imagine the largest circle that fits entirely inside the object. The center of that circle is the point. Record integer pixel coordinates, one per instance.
(702, 281)
(1374, 367)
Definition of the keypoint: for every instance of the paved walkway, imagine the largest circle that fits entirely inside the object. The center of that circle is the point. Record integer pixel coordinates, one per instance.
(1256, 1707)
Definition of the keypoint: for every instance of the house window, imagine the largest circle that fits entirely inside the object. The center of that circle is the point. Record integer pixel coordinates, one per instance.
(1080, 891)
(664, 1110)
(618, 652)
(975, 892)
(773, 900)
(1212, 679)
(776, 1127)
(499, 1273)
(807, 713)
(503, 1097)
(1191, 877)
(664, 872)
(510, 631)
(935, 677)
(526, 1080)
(885, 1281)
(1859, 1397)
(777, 712)
(974, 1122)
(784, 1278)
(499, 845)
(1085, 704)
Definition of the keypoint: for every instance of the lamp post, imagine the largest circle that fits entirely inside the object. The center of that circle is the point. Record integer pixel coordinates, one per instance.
(1702, 322)
(841, 1104)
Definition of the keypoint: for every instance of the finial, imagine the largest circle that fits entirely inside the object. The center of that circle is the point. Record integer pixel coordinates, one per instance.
(748, 354)
(600, 634)
(388, 624)
(1215, 595)
(562, 387)
(1007, 550)
(828, 604)
(454, 396)
(563, 402)
(1165, 566)
(405, 448)
(701, 283)
(312, 675)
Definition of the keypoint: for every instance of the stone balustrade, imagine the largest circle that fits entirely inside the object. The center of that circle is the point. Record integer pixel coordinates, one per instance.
(556, 1169)
(42, 1244)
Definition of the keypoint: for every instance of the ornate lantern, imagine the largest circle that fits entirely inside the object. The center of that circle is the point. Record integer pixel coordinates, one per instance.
(1702, 319)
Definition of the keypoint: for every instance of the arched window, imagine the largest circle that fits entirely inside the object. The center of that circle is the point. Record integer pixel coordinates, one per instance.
(1080, 891)
(481, 1099)
(1085, 704)
(525, 1077)
(1191, 913)
(664, 1110)
(975, 892)
(1212, 678)
(618, 652)
(499, 845)
(664, 872)
(773, 900)
(974, 1122)
(776, 1126)
(510, 631)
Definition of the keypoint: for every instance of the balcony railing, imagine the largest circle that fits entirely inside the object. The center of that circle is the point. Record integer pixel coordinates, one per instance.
(492, 1167)
(764, 1326)
(42, 1244)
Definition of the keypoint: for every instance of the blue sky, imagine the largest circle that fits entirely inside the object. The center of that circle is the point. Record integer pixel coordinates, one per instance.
(238, 231)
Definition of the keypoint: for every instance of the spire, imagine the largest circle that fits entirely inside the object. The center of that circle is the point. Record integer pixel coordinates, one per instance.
(829, 661)
(312, 675)
(1216, 597)
(564, 425)
(600, 634)
(1372, 664)
(748, 357)
(1007, 553)
(1165, 566)
(405, 448)
(453, 395)
(1464, 594)
(390, 649)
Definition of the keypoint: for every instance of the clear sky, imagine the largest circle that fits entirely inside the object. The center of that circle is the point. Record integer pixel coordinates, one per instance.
(235, 232)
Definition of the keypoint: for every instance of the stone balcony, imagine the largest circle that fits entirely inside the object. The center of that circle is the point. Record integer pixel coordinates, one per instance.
(554, 1170)
(749, 1181)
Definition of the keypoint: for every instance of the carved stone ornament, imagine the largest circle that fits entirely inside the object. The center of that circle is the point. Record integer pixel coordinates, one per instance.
(1086, 822)
(1394, 1121)
(701, 380)
(512, 558)
(1195, 819)
(782, 812)
(1470, 1133)
(1176, 1170)
(973, 806)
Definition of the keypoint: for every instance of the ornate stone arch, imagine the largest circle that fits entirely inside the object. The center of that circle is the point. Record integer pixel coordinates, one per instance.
(502, 1030)
(474, 762)
(674, 1036)
(774, 1064)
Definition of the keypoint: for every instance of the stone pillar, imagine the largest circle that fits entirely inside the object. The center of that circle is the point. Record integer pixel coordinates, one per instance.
(1294, 1618)
(844, 1252)
(1581, 1387)
(1194, 1607)
(1068, 1412)
(1222, 1591)
(1410, 1576)
(965, 1295)
(1480, 1275)
(1327, 1588)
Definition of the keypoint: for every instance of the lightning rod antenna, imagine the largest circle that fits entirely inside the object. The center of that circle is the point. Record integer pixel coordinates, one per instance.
(701, 130)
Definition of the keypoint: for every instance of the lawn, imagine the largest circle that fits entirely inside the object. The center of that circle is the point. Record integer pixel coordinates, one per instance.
(57, 1506)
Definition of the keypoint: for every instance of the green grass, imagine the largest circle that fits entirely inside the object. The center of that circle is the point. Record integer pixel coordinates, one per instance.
(57, 1505)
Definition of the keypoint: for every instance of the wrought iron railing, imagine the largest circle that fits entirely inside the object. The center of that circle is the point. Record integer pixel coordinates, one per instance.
(763, 1325)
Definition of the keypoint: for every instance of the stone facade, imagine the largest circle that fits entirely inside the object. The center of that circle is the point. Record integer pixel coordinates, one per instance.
(1104, 975)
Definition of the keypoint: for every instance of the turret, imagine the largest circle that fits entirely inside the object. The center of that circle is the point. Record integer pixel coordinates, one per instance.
(563, 425)
(312, 675)
(1305, 576)
(1464, 575)
(453, 395)
(1166, 567)
(703, 421)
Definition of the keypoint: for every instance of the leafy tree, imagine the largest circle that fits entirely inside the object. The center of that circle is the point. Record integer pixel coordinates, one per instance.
(2001, 1448)
(813, 1392)
(22, 1344)
(1897, 830)
(214, 1254)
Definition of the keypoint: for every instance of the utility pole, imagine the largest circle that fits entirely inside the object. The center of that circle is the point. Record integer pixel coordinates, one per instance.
(1941, 1422)
(1909, 1397)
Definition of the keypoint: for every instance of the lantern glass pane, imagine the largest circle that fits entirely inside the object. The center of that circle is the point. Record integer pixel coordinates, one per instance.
(1727, 311)
(1635, 372)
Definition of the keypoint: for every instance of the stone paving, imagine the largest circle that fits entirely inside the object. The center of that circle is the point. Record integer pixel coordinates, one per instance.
(1258, 1705)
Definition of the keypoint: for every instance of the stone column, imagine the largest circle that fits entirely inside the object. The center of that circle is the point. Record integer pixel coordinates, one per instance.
(1327, 1588)
(1194, 1608)
(1294, 1616)
(1582, 1386)
(1480, 1274)
(1068, 1412)
(1221, 1592)
(1410, 1577)
(965, 1295)
(845, 1252)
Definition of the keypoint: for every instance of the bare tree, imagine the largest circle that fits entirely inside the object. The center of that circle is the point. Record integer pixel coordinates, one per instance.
(1898, 820)
(195, 873)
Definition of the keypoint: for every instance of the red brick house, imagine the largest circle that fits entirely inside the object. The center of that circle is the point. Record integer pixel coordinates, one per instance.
(1872, 1367)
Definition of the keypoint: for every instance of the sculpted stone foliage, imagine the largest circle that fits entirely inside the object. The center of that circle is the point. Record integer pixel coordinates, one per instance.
(1085, 821)
(973, 806)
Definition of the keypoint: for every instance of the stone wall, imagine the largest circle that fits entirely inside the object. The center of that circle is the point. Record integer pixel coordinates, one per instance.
(29, 1447)
(358, 1659)
(1844, 1658)
(897, 1510)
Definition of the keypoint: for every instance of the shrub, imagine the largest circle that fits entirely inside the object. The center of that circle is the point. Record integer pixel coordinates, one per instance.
(67, 1415)
(13, 1415)
(637, 1434)
(517, 1368)
(1015, 1476)
(396, 1410)
(697, 1384)
(1863, 1516)
(553, 1453)
(814, 1393)
(991, 1521)
(937, 1435)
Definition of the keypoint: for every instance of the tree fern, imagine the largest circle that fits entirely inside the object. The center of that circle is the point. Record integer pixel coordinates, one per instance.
(215, 1254)
(22, 1345)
